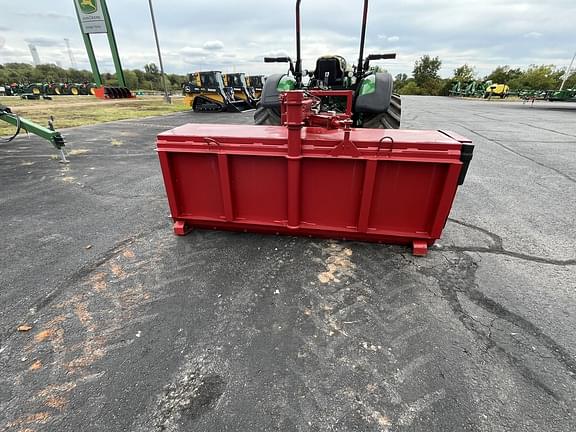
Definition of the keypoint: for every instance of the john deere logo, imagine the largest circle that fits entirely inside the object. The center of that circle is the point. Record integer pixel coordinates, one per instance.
(88, 6)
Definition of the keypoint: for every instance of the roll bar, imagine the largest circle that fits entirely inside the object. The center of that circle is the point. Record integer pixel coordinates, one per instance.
(298, 65)
(363, 64)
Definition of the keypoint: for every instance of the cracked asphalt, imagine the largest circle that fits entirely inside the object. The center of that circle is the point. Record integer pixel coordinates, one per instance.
(134, 329)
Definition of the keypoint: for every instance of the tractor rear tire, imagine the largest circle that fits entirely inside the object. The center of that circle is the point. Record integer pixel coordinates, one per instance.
(266, 116)
(390, 119)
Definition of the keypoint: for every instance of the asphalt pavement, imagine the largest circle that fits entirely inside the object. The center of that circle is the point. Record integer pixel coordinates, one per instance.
(109, 322)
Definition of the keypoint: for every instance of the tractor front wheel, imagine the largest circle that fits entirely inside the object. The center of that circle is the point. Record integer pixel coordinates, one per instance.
(266, 116)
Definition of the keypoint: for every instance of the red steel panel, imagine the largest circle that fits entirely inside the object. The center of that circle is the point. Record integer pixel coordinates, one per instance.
(331, 191)
(412, 191)
(196, 182)
(258, 180)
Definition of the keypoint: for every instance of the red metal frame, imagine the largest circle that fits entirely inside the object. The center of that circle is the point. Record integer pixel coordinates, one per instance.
(393, 186)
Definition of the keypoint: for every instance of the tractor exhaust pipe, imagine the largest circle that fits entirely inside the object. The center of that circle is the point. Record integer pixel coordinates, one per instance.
(298, 68)
(360, 68)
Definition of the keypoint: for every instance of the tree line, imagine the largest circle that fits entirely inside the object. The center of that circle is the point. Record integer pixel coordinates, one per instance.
(136, 79)
(425, 79)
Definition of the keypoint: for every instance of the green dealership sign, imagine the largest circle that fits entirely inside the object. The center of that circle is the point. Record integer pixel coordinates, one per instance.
(93, 17)
(88, 6)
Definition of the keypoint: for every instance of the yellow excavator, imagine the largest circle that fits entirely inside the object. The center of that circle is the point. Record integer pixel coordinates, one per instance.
(206, 92)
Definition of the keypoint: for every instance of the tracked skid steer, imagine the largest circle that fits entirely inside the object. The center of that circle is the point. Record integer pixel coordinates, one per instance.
(206, 92)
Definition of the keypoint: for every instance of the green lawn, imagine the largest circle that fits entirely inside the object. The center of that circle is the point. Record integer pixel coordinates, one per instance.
(69, 111)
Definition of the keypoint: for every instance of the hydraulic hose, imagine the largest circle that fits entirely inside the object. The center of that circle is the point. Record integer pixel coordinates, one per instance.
(5, 111)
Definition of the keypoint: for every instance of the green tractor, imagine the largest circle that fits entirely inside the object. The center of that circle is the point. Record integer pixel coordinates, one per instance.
(52, 88)
(87, 88)
(374, 104)
(71, 89)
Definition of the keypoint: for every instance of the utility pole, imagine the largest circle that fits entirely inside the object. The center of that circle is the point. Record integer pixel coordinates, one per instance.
(70, 54)
(35, 56)
(166, 95)
(567, 74)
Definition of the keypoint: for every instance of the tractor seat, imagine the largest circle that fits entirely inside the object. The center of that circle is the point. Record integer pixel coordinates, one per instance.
(332, 66)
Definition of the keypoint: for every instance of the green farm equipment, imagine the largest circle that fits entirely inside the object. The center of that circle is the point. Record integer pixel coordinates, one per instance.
(495, 89)
(70, 89)
(456, 89)
(52, 88)
(479, 89)
(27, 91)
(87, 88)
(49, 133)
(566, 95)
(474, 89)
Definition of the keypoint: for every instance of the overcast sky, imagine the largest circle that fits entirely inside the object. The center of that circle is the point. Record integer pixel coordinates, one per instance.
(233, 35)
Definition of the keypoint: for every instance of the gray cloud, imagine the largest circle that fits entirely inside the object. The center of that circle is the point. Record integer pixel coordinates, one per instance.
(192, 52)
(533, 35)
(45, 15)
(43, 41)
(214, 45)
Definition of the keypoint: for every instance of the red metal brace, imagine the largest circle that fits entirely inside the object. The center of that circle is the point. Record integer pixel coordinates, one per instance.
(419, 248)
(181, 228)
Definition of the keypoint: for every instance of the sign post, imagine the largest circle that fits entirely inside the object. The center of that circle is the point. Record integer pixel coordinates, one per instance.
(93, 17)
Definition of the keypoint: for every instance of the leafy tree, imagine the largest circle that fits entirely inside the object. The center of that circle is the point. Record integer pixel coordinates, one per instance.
(410, 88)
(426, 75)
(464, 73)
(24, 73)
(446, 87)
(400, 80)
(504, 74)
(571, 81)
(543, 77)
(426, 69)
(151, 69)
(131, 79)
(176, 81)
(432, 87)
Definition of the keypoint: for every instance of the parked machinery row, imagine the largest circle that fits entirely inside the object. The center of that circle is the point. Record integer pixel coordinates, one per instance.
(565, 95)
(213, 91)
(488, 89)
(50, 88)
(480, 89)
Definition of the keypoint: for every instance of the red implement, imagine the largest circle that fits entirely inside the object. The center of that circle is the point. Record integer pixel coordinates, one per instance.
(313, 176)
